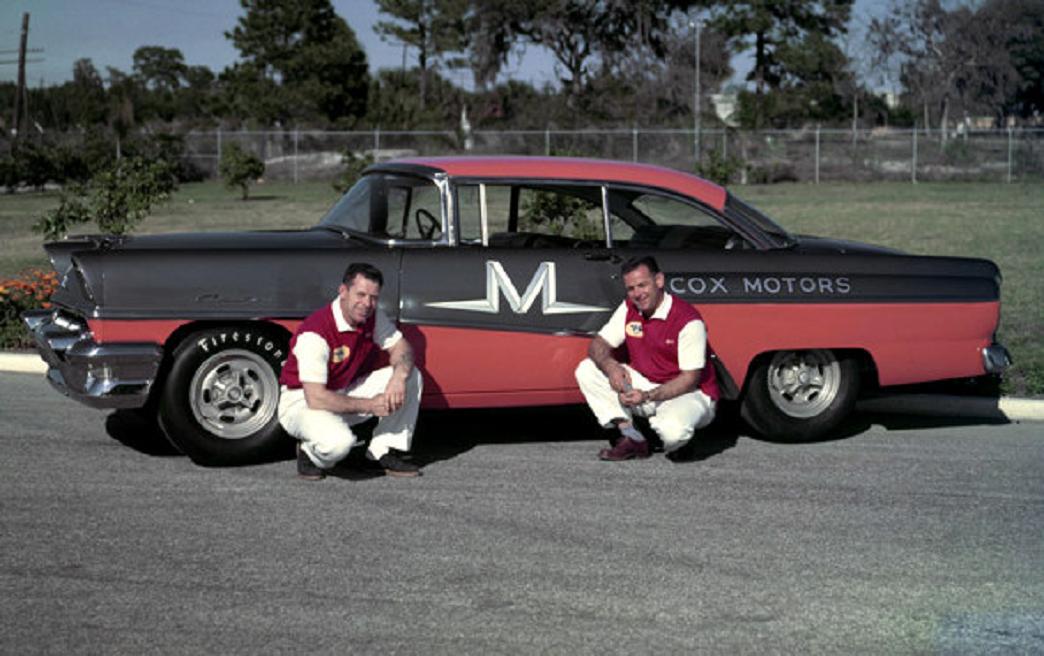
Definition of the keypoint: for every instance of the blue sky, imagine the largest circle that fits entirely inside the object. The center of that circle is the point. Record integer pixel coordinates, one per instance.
(109, 31)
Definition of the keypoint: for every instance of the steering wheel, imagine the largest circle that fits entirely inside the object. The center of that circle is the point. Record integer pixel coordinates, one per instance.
(427, 224)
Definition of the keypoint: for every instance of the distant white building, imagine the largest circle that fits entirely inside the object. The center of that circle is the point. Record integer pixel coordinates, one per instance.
(725, 105)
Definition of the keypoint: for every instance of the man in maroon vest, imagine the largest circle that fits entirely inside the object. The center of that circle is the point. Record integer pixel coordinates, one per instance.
(668, 377)
(329, 385)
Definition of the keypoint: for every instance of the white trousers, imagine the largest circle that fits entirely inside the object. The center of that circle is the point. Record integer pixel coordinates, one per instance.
(675, 420)
(327, 436)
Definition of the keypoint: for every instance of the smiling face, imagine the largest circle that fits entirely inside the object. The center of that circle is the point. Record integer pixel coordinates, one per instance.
(644, 289)
(358, 299)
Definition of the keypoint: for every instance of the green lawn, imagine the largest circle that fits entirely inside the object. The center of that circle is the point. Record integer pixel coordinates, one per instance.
(1004, 223)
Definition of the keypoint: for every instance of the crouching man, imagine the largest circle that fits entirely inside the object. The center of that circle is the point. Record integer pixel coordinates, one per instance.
(668, 378)
(328, 384)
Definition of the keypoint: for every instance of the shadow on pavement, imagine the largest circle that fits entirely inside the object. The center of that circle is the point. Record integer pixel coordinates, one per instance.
(140, 432)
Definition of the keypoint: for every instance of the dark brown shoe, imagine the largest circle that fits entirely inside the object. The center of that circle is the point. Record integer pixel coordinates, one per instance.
(625, 449)
(393, 465)
(306, 469)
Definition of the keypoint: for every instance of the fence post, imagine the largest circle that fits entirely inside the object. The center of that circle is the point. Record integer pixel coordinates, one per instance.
(724, 143)
(376, 142)
(216, 168)
(634, 144)
(913, 163)
(296, 132)
(547, 142)
(1009, 153)
(817, 154)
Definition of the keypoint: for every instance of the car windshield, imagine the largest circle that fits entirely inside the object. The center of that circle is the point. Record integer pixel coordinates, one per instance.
(389, 206)
(747, 213)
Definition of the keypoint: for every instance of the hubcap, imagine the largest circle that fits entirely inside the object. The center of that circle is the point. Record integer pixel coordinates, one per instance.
(234, 394)
(804, 383)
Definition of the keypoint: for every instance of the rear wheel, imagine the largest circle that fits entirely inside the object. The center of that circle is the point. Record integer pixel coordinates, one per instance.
(219, 402)
(800, 395)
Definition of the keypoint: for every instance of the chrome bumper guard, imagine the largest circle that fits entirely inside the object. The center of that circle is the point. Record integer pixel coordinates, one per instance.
(97, 375)
(995, 358)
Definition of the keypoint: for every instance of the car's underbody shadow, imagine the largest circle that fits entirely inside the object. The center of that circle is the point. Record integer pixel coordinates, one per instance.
(135, 429)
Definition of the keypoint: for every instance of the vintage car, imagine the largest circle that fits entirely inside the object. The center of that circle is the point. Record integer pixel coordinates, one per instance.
(499, 270)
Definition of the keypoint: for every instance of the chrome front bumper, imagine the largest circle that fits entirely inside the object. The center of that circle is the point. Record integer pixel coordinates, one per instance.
(995, 358)
(97, 375)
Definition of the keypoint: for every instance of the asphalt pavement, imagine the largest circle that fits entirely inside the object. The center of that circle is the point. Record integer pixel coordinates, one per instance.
(904, 535)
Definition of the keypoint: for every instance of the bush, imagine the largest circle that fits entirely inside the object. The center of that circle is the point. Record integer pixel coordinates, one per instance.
(118, 198)
(239, 168)
(28, 290)
(354, 165)
(772, 172)
(719, 169)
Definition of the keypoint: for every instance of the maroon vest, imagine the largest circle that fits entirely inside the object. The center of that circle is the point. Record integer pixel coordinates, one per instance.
(350, 351)
(652, 345)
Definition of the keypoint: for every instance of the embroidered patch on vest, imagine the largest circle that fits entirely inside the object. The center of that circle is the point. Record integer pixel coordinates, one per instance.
(634, 329)
(340, 354)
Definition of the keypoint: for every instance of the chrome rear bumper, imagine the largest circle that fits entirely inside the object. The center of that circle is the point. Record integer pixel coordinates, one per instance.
(995, 358)
(97, 375)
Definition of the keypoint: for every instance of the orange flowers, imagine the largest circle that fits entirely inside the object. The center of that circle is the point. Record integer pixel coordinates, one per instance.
(29, 289)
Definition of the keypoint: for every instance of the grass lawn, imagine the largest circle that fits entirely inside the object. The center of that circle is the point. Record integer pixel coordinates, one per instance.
(1004, 223)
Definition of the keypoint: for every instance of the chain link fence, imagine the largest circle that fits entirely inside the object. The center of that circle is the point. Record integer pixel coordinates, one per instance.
(808, 155)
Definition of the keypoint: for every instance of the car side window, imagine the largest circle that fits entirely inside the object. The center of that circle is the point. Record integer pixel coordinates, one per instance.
(543, 216)
(644, 219)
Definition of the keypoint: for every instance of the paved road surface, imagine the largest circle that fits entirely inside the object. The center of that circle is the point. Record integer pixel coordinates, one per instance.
(899, 538)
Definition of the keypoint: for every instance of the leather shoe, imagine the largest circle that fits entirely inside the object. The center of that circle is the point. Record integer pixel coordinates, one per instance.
(625, 449)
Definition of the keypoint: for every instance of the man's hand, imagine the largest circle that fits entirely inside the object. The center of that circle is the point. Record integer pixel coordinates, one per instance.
(631, 398)
(619, 378)
(395, 393)
(379, 406)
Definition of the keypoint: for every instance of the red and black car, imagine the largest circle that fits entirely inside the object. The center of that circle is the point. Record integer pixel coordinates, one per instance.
(498, 270)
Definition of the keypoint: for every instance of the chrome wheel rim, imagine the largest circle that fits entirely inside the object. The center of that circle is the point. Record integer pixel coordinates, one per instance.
(803, 384)
(234, 394)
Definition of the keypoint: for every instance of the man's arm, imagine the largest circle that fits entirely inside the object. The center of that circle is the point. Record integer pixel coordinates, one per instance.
(601, 352)
(400, 355)
(319, 398)
(683, 383)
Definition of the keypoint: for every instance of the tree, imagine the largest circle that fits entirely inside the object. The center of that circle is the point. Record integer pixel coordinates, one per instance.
(158, 68)
(86, 94)
(433, 27)
(239, 168)
(772, 25)
(955, 60)
(300, 60)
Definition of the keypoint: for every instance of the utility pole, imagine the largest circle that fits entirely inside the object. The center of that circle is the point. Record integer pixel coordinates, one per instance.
(21, 106)
(695, 25)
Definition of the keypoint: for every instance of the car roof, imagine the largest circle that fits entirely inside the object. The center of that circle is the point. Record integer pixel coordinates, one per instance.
(574, 168)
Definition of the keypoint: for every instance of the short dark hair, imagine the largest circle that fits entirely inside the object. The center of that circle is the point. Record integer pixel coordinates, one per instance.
(640, 260)
(363, 269)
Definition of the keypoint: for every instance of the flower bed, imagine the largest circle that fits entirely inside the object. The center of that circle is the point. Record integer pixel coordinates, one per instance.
(28, 290)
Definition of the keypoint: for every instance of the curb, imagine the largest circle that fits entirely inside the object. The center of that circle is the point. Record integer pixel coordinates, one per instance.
(939, 405)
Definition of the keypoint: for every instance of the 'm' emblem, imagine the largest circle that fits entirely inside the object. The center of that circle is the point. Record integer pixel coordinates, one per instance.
(544, 282)
(634, 329)
(340, 354)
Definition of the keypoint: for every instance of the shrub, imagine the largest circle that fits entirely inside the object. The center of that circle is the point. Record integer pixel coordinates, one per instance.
(28, 290)
(239, 168)
(354, 165)
(718, 168)
(772, 172)
(118, 198)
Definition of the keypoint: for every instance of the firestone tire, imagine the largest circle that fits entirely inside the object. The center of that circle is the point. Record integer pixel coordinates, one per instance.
(219, 403)
(799, 396)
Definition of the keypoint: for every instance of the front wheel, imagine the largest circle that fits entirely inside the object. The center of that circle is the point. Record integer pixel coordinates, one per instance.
(797, 396)
(218, 405)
